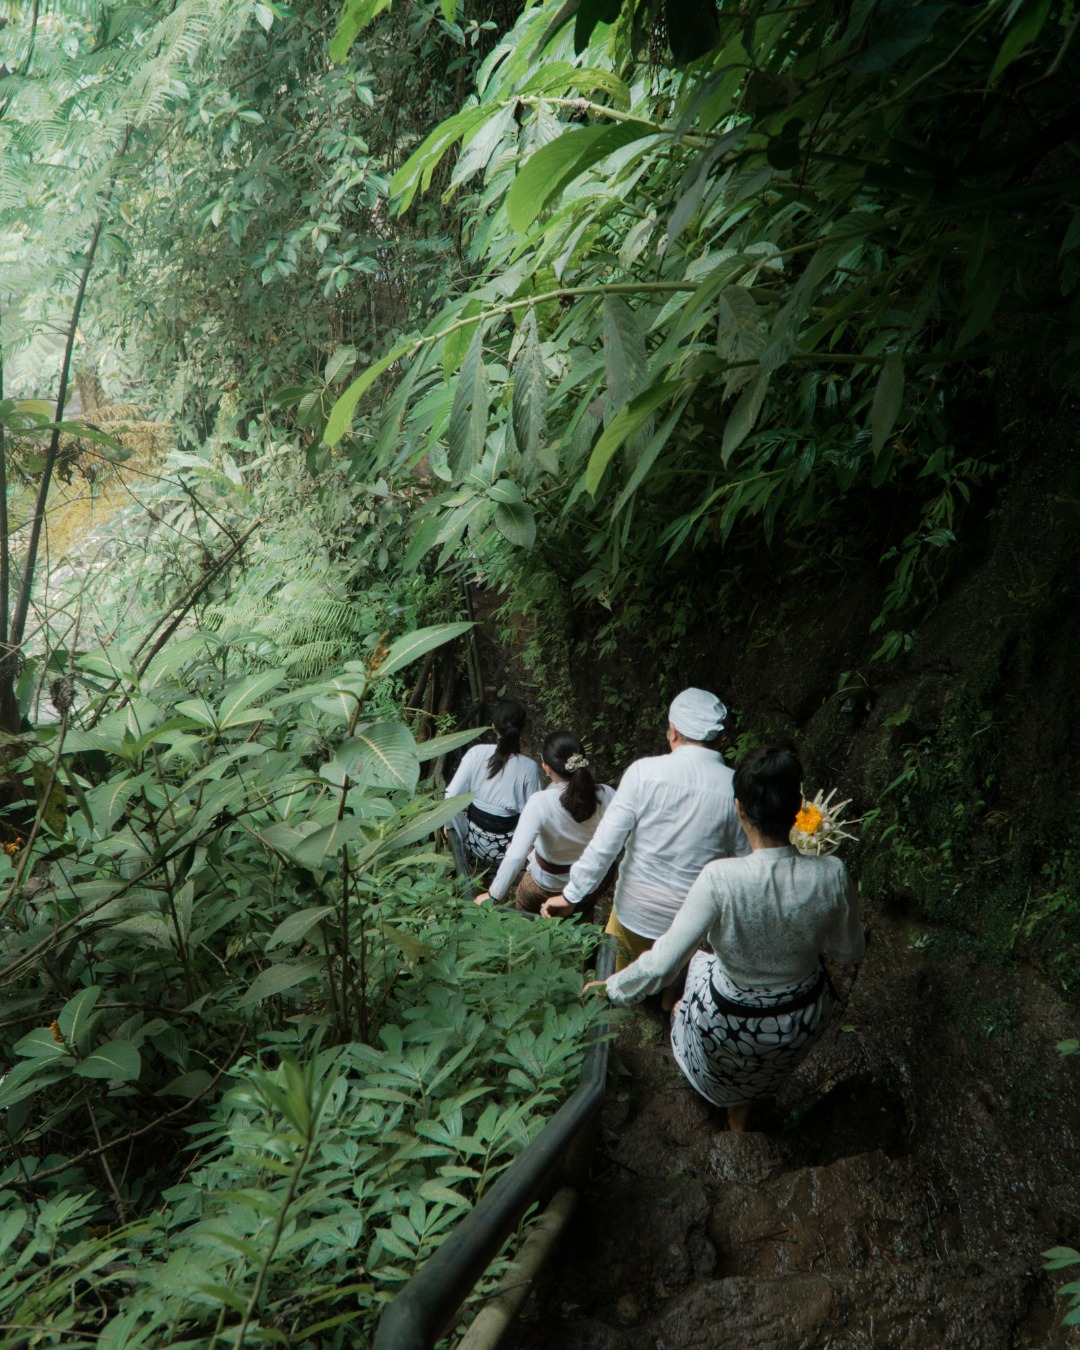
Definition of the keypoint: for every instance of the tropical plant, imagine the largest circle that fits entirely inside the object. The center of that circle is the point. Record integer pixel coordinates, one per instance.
(88, 87)
(729, 297)
(210, 885)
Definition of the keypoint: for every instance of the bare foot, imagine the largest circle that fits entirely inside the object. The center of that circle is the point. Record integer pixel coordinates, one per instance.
(738, 1116)
(675, 1010)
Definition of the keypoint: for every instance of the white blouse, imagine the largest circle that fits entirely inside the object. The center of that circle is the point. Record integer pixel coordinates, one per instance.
(558, 838)
(503, 795)
(768, 918)
(674, 813)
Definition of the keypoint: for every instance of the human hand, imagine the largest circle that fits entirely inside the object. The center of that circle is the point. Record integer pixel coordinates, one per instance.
(555, 907)
(593, 984)
(484, 895)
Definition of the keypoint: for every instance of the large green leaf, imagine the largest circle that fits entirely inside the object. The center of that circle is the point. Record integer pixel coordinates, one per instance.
(277, 978)
(626, 424)
(380, 755)
(108, 800)
(338, 363)
(549, 169)
(589, 14)
(425, 536)
(296, 926)
(443, 745)
(888, 397)
(467, 431)
(456, 344)
(624, 353)
(340, 696)
(478, 146)
(146, 929)
(420, 827)
(199, 710)
(513, 516)
(189, 1085)
(1025, 30)
(29, 1077)
(415, 173)
(323, 844)
(651, 452)
(41, 1043)
(118, 1061)
(741, 332)
(412, 646)
(529, 407)
(411, 947)
(357, 14)
(220, 764)
(236, 707)
(341, 414)
(77, 1015)
(744, 415)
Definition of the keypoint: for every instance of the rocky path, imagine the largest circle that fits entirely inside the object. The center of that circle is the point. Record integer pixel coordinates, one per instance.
(918, 1163)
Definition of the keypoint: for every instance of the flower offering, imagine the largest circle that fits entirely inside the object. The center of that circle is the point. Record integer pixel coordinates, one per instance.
(820, 827)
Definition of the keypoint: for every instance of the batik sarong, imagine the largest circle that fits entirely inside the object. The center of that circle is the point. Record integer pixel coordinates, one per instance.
(737, 1043)
(488, 837)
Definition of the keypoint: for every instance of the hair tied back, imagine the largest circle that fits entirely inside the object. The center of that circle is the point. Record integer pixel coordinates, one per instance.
(576, 762)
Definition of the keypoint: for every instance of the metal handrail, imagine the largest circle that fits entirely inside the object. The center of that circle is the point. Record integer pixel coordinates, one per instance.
(426, 1306)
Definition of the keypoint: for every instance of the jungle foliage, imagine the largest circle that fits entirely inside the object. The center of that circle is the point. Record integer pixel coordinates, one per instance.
(747, 295)
(256, 1057)
(258, 1054)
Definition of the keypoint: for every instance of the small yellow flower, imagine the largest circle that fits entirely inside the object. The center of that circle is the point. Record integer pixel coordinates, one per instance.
(379, 655)
(57, 1034)
(12, 848)
(809, 819)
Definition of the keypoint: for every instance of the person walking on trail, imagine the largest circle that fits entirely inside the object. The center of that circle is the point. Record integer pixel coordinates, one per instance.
(752, 1008)
(674, 813)
(556, 826)
(502, 781)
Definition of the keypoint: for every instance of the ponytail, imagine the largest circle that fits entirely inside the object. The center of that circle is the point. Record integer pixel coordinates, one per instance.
(508, 718)
(566, 756)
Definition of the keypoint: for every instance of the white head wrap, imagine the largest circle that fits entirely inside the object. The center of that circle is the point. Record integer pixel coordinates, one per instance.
(697, 714)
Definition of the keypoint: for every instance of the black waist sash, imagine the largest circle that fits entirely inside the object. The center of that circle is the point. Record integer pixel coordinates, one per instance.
(794, 1004)
(483, 820)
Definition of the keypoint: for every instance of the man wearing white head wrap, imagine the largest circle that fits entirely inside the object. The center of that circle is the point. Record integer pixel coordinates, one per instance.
(674, 813)
(697, 715)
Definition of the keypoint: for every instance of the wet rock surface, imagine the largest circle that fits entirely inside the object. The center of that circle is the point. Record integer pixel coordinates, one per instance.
(897, 1195)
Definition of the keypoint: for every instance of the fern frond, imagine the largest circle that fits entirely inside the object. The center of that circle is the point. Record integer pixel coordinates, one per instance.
(311, 660)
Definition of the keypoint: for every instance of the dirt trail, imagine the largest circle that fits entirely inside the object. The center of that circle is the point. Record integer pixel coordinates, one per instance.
(897, 1198)
(914, 1169)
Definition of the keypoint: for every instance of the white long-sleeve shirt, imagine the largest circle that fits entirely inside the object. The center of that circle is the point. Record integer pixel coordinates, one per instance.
(503, 795)
(547, 829)
(674, 813)
(768, 918)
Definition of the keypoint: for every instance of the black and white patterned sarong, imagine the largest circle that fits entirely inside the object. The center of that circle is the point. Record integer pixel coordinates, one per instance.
(488, 837)
(736, 1043)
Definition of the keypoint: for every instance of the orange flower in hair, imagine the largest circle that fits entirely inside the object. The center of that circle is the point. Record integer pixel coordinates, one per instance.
(819, 826)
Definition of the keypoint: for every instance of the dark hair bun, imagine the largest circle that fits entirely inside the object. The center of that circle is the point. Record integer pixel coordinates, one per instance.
(768, 784)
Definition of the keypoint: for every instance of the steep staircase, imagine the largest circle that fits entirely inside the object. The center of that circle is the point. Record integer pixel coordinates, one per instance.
(899, 1198)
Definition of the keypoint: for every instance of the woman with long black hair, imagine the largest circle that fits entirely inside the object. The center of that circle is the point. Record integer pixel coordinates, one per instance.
(555, 826)
(501, 780)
